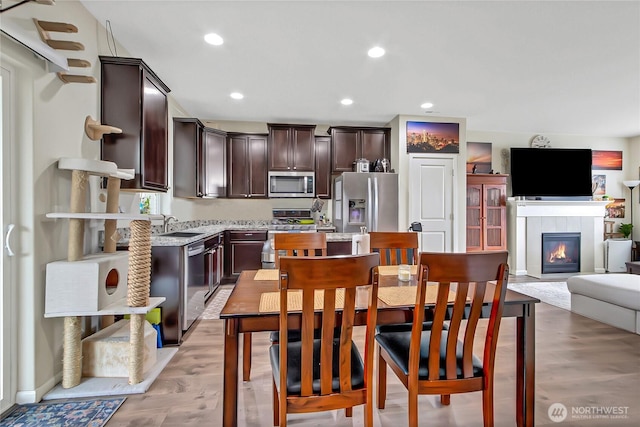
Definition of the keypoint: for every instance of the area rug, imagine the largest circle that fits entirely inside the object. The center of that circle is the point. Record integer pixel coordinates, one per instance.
(216, 303)
(554, 293)
(76, 413)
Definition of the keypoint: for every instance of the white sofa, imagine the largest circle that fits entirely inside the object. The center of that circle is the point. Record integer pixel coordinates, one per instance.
(609, 298)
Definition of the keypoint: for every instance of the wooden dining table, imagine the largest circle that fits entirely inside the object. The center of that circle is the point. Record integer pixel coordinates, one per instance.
(241, 314)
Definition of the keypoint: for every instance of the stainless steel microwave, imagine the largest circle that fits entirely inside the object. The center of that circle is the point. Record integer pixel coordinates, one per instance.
(291, 184)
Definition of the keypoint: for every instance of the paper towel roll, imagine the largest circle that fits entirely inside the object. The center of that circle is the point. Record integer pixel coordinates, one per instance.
(360, 244)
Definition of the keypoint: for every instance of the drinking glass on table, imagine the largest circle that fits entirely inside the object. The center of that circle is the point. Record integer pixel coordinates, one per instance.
(404, 272)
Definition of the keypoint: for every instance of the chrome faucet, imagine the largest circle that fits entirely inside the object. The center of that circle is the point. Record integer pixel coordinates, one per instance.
(166, 220)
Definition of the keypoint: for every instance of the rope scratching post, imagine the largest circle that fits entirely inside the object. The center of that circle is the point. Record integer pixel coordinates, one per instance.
(139, 282)
(72, 345)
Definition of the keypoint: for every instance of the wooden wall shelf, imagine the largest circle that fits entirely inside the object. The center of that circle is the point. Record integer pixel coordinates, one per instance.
(58, 27)
(75, 78)
(44, 27)
(79, 63)
(95, 130)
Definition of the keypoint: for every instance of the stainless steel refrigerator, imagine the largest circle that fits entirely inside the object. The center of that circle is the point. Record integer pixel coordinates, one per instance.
(365, 200)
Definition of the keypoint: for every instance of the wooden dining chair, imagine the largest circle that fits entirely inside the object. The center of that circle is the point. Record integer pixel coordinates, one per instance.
(292, 244)
(395, 247)
(320, 374)
(299, 244)
(446, 364)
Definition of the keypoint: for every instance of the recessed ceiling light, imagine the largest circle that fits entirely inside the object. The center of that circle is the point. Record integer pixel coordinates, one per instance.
(346, 101)
(376, 52)
(214, 39)
(237, 95)
(426, 105)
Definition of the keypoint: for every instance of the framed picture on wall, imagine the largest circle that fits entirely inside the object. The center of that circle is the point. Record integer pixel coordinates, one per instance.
(431, 137)
(599, 185)
(478, 157)
(606, 160)
(615, 209)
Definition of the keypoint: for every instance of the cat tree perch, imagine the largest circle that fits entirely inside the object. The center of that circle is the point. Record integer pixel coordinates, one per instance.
(95, 284)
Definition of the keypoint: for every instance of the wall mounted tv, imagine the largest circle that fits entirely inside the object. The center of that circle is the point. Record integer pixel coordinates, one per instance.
(551, 173)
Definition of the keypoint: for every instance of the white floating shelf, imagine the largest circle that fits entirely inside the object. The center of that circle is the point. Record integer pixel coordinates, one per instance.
(118, 307)
(99, 215)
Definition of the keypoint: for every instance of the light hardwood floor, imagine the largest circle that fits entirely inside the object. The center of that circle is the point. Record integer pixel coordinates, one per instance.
(580, 363)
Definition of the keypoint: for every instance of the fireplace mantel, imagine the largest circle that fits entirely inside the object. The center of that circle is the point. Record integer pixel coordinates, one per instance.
(528, 219)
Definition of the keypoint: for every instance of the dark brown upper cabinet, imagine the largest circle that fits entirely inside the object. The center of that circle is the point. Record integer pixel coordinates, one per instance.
(351, 143)
(291, 147)
(323, 166)
(247, 165)
(199, 160)
(134, 99)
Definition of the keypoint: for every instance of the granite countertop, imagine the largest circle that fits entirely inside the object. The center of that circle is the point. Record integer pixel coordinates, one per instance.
(210, 230)
(206, 232)
(339, 237)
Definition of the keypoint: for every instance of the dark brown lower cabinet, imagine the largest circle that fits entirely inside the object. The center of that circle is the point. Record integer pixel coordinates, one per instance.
(339, 247)
(243, 251)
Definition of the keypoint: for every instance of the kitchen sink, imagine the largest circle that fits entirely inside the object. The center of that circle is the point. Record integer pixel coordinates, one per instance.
(181, 234)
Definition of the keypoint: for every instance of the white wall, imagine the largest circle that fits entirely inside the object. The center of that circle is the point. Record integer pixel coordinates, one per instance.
(400, 161)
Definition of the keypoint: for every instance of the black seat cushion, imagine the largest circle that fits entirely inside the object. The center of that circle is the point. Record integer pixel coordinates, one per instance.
(294, 366)
(403, 327)
(397, 345)
(294, 335)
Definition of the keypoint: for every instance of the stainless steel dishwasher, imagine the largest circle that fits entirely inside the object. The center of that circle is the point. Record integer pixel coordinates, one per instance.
(178, 274)
(194, 283)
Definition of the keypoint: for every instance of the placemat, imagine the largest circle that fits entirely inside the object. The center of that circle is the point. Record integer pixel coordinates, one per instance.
(406, 295)
(270, 301)
(267, 274)
(392, 270)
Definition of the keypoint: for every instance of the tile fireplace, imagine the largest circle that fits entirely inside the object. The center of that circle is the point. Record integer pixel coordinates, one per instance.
(560, 253)
(527, 220)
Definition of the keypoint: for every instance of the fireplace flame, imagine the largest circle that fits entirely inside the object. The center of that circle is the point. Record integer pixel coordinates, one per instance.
(558, 254)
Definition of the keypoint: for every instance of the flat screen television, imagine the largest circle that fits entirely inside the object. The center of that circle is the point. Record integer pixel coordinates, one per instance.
(551, 173)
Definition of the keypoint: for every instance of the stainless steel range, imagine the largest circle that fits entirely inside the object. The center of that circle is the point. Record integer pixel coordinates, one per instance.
(286, 221)
(293, 220)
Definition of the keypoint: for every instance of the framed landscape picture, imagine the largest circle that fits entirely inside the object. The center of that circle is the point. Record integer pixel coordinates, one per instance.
(606, 160)
(478, 156)
(431, 137)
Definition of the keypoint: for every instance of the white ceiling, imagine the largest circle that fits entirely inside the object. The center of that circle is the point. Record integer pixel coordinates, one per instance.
(568, 67)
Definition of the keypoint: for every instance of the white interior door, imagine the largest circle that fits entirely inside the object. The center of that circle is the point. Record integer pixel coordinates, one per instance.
(431, 195)
(8, 343)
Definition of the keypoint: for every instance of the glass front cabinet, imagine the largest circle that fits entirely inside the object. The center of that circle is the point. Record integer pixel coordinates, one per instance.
(486, 212)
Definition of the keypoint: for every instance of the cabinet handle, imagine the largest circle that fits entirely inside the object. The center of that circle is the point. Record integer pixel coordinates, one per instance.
(249, 195)
(294, 168)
